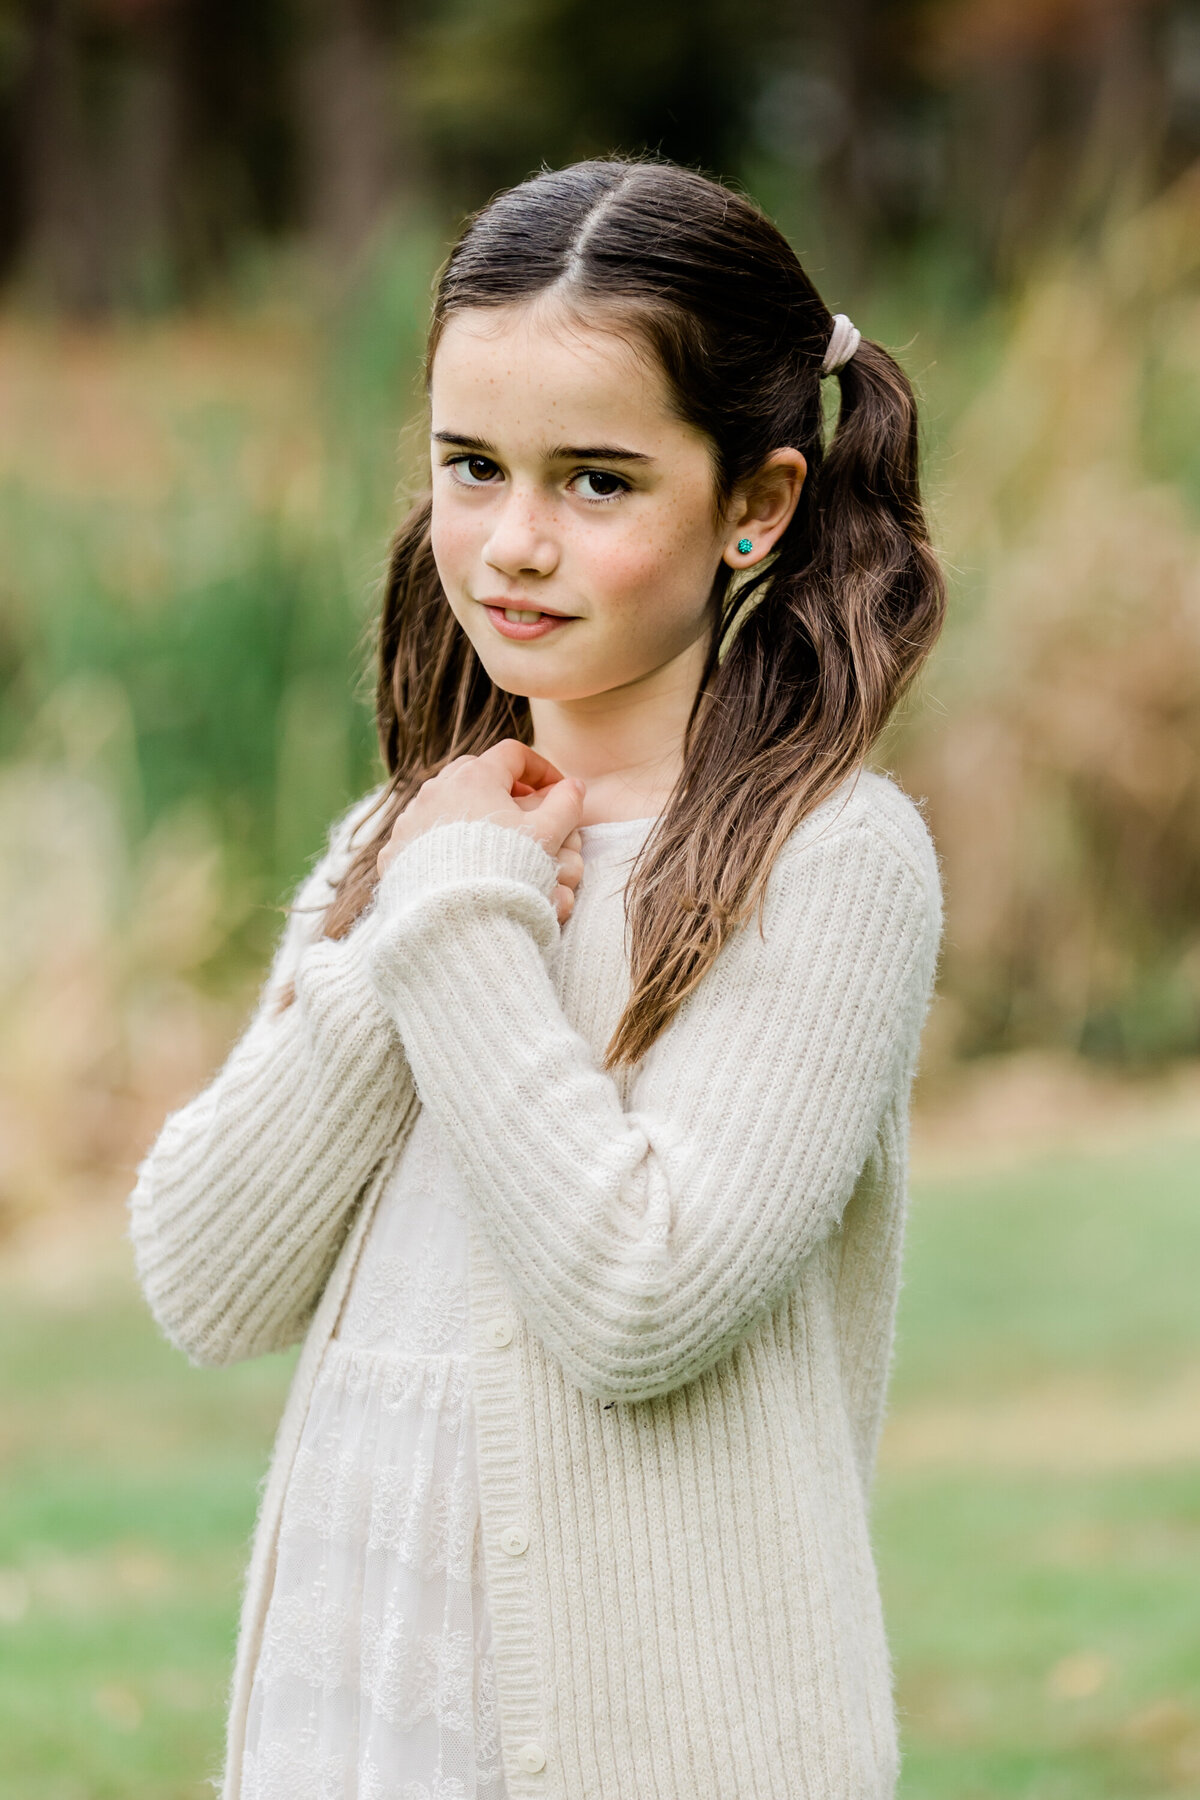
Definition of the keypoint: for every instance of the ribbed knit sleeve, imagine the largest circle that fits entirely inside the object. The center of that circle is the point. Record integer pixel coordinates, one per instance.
(243, 1200)
(642, 1242)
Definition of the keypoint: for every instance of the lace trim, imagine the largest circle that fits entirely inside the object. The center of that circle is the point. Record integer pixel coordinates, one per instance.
(406, 1304)
(430, 1526)
(403, 1676)
(488, 1766)
(287, 1772)
(425, 1171)
(440, 1384)
(298, 1770)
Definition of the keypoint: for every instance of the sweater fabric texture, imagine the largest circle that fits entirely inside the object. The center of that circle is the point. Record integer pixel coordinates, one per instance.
(683, 1276)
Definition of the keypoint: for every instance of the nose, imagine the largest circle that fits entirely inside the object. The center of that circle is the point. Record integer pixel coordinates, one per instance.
(521, 542)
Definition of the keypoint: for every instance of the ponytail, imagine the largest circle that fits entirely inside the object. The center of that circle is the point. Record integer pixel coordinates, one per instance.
(811, 661)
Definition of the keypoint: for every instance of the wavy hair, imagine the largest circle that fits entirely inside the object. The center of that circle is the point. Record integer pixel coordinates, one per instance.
(807, 659)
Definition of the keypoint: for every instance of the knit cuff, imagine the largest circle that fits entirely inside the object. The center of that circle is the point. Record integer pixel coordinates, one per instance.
(463, 861)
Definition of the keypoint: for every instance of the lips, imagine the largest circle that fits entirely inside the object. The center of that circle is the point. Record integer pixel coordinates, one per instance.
(497, 601)
(545, 622)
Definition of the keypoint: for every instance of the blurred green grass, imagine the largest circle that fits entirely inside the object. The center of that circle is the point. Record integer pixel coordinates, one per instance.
(127, 1504)
(1042, 1615)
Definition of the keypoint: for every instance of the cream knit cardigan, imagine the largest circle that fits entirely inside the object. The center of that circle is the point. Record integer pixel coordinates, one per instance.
(682, 1279)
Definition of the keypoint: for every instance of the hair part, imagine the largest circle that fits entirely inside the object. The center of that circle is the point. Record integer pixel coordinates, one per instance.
(823, 644)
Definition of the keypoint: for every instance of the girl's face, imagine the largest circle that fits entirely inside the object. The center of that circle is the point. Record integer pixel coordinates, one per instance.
(563, 485)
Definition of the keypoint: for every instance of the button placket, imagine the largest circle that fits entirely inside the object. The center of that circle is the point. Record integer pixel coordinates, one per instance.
(497, 1326)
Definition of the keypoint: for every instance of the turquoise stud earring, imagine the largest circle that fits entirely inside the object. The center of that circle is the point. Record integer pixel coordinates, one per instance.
(745, 546)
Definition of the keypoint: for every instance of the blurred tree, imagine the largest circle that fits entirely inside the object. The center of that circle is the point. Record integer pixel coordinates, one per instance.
(992, 125)
(146, 138)
(97, 131)
(235, 174)
(1052, 105)
(503, 88)
(361, 152)
(143, 143)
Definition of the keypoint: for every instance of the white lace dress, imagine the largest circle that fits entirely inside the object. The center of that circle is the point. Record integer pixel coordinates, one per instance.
(375, 1678)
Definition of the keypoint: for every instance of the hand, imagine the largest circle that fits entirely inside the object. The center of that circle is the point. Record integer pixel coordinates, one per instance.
(509, 784)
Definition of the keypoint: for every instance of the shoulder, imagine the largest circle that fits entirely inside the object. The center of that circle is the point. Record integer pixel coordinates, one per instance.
(351, 830)
(870, 817)
(346, 834)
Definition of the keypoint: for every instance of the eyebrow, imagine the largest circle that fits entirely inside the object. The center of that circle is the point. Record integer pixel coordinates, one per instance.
(560, 452)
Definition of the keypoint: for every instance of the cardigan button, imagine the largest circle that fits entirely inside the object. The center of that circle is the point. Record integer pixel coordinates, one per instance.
(498, 1332)
(514, 1540)
(531, 1757)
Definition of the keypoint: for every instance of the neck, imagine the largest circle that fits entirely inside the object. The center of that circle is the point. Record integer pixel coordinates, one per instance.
(625, 743)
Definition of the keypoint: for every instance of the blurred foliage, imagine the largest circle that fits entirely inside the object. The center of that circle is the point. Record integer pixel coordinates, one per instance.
(219, 227)
(194, 517)
(147, 145)
(1062, 754)
(196, 512)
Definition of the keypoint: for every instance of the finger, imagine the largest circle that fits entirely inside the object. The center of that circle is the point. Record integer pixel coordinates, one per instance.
(564, 902)
(521, 762)
(558, 812)
(570, 867)
(573, 841)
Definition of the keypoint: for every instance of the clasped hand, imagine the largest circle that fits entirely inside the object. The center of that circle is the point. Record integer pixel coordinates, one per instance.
(509, 784)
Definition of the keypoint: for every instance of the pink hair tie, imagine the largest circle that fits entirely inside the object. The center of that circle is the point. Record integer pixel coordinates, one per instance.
(844, 340)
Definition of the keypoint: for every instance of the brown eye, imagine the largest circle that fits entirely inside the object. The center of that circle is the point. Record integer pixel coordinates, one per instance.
(472, 471)
(610, 485)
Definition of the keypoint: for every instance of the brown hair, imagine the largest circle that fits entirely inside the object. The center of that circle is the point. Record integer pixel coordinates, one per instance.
(824, 643)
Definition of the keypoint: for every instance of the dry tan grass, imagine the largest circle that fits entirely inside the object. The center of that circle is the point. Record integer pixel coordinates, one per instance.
(1060, 746)
(100, 413)
(999, 1111)
(1066, 1425)
(101, 1028)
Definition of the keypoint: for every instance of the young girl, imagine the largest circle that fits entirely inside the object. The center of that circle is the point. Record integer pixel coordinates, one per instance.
(570, 1130)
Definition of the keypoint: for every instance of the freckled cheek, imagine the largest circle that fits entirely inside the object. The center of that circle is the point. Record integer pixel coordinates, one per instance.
(455, 541)
(645, 580)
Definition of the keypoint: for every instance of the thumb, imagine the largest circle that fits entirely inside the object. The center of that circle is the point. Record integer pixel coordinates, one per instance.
(557, 815)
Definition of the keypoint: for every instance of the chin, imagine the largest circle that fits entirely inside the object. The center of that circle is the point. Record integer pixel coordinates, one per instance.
(524, 673)
(544, 689)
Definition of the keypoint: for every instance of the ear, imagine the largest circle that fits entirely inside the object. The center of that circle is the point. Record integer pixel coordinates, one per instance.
(762, 507)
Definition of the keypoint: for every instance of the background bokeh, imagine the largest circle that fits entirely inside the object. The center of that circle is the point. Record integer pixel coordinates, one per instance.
(219, 224)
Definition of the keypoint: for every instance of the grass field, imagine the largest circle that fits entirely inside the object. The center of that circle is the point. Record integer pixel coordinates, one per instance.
(1037, 1509)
